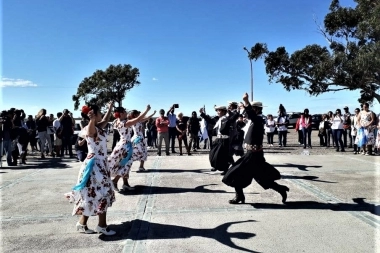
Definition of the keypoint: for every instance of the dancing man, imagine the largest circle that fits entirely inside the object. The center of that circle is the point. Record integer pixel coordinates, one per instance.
(253, 165)
(220, 154)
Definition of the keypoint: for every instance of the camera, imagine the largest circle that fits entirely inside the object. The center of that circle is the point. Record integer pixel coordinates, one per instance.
(175, 105)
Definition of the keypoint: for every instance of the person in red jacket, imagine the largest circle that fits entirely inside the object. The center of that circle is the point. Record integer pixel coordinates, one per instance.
(162, 124)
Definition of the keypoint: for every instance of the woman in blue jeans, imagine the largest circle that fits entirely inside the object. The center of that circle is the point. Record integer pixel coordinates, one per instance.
(337, 129)
(306, 128)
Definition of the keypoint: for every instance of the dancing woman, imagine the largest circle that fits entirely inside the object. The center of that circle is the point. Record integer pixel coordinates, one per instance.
(119, 160)
(140, 152)
(94, 192)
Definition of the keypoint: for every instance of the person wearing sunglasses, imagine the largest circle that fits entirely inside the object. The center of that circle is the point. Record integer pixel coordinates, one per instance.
(337, 130)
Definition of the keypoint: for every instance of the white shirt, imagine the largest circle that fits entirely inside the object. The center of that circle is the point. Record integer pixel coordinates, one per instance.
(337, 123)
(281, 127)
(270, 127)
(56, 124)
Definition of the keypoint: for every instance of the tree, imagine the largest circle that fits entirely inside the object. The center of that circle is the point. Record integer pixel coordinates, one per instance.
(351, 62)
(104, 86)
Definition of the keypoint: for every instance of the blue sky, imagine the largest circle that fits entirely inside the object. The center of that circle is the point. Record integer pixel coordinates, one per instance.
(188, 52)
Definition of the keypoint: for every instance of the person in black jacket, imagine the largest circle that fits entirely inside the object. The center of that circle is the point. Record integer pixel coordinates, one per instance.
(81, 149)
(220, 154)
(253, 165)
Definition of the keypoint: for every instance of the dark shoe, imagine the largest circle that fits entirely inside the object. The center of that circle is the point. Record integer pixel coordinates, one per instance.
(237, 200)
(173, 152)
(337, 150)
(213, 169)
(180, 153)
(159, 154)
(189, 153)
(167, 154)
(342, 150)
(282, 189)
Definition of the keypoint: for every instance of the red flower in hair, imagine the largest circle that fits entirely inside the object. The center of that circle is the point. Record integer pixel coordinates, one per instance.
(116, 115)
(86, 109)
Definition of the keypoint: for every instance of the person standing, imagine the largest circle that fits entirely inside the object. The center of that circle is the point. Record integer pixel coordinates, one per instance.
(337, 130)
(193, 126)
(299, 129)
(306, 128)
(94, 192)
(172, 127)
(162, 124)
(282, 129)
(182, 134)
(58, 134)
(347, 128)
(323, 125)
(365, 135)
(253, 165)
(32, 128)
(67, 132)
(269, 129)
(354, 132)
(42, 125)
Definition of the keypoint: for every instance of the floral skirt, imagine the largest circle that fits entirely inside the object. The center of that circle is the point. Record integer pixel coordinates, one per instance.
(98, 193)
(119, 152)
(140, 152)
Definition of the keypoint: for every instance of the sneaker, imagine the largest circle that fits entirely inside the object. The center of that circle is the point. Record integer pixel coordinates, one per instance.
(194, 150)
(128, 188)
(142, 169)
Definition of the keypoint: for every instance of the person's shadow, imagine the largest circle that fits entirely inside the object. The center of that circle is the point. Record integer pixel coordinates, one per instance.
(140, 189)
(298, 166)
(311, 178)
(359, 205)
(144, 230)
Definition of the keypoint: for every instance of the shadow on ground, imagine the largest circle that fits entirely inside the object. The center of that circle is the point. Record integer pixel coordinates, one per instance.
(144, 230)
(50, 163)
(141, 189)
(359, 206)
(298, 166)
(310, 178)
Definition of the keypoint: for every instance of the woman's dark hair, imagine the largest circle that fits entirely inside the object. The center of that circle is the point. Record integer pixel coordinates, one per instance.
(162, 111)
(306, 111)
(338, 110)
(94, 108)
(119, 109)
(357, 110)
(134, 113)
(281, 108)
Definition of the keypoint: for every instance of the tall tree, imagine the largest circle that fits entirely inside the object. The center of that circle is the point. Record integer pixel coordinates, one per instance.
(103, 86)
(351, 62)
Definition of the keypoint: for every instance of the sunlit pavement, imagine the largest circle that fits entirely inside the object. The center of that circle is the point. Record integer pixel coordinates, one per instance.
(179, 205)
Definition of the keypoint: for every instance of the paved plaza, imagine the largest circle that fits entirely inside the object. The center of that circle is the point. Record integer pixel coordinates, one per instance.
(179, 205)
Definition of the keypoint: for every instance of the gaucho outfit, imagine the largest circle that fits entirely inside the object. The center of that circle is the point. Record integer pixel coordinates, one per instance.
(253, 165)
(220, 154)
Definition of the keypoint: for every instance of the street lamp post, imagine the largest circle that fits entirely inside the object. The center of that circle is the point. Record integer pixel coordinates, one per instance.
(250, 61)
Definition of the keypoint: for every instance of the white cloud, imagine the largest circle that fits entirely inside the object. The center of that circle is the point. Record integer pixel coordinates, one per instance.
(10, 82)
(154, 79)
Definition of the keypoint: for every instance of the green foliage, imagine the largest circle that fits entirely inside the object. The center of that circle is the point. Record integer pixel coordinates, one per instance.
(104, 86)
(351, 62)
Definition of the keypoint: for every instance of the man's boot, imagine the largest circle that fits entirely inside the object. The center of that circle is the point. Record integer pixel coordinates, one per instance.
(282, 189)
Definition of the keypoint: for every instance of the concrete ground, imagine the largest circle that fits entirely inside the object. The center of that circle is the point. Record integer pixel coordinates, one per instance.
(179, 205)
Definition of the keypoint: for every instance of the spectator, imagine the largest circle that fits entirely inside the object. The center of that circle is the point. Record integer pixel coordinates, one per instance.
(193, 127)
(299, 129)
(355, 126)
(152, 133)
(32, 128)
(365, 135)
(330, 136)
(282, 129)
(172, 127)
(323, 126)
(337, 129)
(182, 133)
(81, 148)
(269, 129)
(42, 125)
(67, 132)
(306, 128)
(58, 134)
(50, 129)
(347, 128)
(162, 124)
(6, 126)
